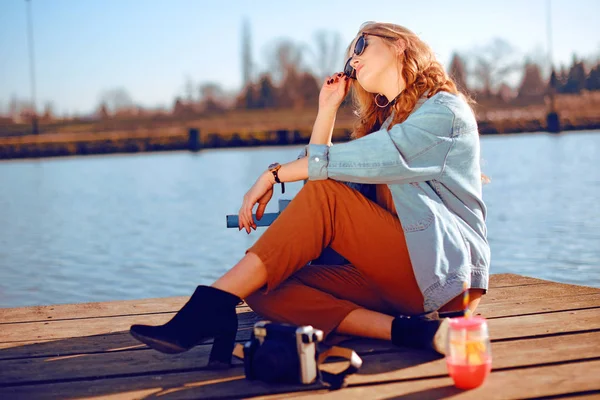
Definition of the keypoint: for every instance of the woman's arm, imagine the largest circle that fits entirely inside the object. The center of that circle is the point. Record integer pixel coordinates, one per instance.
(323, 127)
(330, 98)
(321, 134)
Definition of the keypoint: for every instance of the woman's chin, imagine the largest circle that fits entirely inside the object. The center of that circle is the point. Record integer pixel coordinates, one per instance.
(364, 83)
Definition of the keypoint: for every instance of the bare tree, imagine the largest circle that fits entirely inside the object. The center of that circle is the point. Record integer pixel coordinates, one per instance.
(327, 53)
(458, 72)
(532, 84)
(285, 58)
(494, 64)
(246, 53)
(48, 111)
(285, 67)
(189, 89)
(211, 96)
(102, 111)
(116, 100)
(13, 107)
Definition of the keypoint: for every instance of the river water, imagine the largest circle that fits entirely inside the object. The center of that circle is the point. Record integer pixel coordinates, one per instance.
(118, 227)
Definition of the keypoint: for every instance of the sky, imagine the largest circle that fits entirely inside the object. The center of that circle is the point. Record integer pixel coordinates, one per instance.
(83, 48)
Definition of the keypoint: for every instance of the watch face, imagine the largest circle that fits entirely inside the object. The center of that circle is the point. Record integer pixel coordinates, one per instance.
(273, 166)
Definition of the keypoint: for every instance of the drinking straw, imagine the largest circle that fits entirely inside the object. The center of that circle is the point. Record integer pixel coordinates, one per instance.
(466, 300)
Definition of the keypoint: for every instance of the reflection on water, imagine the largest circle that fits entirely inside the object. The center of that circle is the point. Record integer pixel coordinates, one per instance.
(153, 225)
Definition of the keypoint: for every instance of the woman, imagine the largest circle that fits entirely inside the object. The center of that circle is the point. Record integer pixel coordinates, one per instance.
(409, 252)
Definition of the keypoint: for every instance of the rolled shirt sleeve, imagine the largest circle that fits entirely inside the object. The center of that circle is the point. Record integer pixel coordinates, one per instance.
(303, 153)
(317, 162)
(412, 151)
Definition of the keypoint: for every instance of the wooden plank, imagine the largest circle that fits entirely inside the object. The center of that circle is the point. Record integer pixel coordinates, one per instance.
(506, 280)
(172, 304)
(534, 306)
(114, 342)
(511, 383)
(61, 328)
(86, 345)
(553, 380)
(544, 324)
(90, 310)
(531, 292)
(500, 328)
(95, 310)
(402, 362)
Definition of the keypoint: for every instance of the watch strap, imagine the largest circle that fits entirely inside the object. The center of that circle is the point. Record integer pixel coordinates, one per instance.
(274, 168)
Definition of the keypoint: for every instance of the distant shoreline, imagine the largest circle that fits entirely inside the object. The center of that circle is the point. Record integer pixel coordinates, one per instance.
(77, 144)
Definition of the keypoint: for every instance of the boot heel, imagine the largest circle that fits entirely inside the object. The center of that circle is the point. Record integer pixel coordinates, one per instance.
(222, 350)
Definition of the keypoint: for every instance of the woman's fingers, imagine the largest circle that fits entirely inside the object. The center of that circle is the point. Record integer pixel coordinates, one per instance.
(243, 216)
(249, 220)
(260, 210)
(335, 78)
(245, 220)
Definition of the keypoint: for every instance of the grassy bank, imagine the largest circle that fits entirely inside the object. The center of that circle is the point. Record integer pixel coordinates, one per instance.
(255, 128)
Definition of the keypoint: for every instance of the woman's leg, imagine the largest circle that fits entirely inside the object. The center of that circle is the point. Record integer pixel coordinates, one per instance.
(367, 323)
(334, 298)
(328, 297)
(372, 324)
(329, 213)
(324, 213)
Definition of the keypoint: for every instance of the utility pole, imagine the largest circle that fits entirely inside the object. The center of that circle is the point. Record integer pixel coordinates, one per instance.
(34, 122)
(552, 118)
(246, 54)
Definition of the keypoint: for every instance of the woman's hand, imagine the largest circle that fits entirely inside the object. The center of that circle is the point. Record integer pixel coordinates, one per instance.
(334, 90)
(261, 192)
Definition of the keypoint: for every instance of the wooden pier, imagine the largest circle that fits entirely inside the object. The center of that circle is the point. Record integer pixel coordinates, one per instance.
(545, 343)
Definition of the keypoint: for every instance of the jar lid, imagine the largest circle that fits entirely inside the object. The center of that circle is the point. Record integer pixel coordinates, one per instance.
(467, 323)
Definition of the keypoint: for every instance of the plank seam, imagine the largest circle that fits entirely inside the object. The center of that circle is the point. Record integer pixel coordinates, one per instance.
(543, 312)
(100, 316)
(562, 396)
(544, 335)
(392, 381)
(185, 370)
(252, 311)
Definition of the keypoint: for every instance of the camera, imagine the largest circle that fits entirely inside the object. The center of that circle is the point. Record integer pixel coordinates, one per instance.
(282, 353)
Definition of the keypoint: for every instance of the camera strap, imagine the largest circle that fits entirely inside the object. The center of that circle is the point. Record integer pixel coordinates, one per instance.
(337, 381)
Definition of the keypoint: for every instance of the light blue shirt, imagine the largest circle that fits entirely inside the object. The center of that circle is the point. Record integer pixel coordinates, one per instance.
(431, 163)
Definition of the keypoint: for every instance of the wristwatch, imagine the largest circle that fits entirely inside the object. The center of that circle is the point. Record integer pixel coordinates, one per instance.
(274, 168)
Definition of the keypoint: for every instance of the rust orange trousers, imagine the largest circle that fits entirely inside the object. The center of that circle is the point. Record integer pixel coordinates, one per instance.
(329, 213)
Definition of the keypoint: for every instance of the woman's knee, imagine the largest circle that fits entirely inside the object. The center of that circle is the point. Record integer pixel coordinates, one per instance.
(263, 304)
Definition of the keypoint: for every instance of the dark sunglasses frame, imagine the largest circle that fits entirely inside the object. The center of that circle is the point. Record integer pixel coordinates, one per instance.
(359, 48)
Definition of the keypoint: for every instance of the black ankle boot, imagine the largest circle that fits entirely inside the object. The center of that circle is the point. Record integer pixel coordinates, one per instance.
(209, 313)
(423, 331)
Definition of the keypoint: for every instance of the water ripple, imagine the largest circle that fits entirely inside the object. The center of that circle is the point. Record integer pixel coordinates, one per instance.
(152, 225)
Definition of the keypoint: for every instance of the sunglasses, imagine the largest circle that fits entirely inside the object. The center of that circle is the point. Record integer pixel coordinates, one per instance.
(359, 48)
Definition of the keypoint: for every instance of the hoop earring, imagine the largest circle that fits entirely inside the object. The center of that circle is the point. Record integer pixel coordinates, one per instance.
(377, 102)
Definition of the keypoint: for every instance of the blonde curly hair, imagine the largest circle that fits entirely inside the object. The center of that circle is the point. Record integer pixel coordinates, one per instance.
(421, 72)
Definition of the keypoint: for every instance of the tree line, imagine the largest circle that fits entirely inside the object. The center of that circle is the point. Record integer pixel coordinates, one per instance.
(294, 73)
(493, 68)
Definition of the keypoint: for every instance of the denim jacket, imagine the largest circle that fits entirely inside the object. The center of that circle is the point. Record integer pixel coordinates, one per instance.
(431, 164)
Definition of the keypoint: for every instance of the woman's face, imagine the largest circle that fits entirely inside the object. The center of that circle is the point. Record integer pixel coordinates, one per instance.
(377, 66)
